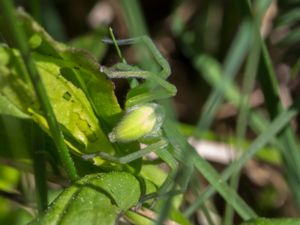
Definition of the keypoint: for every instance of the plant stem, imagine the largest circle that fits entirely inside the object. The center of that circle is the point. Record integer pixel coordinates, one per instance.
(18, 34)
(39, 169)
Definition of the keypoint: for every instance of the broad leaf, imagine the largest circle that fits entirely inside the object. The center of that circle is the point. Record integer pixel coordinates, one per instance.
(82, 97)
(97, 199)
(7, 108)
(91, 43)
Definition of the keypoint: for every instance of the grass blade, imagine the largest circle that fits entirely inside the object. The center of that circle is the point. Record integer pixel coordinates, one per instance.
(274, 128)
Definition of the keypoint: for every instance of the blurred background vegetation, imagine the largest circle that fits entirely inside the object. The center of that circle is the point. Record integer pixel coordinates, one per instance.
(228, 91)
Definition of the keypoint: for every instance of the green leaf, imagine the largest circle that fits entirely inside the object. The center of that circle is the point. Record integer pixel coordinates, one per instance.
(82, 129)
(268, 221)
(7, 108)
(92, 42)
(73, 83)
(76, 65)
(95, 199)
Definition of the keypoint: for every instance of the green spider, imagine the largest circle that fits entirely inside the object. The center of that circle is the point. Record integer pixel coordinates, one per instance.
(143, 118)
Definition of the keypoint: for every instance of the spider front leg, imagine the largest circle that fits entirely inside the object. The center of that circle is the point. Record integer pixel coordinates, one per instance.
(155, 147)
(155, 87)
(145, 92)
(146, 41)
